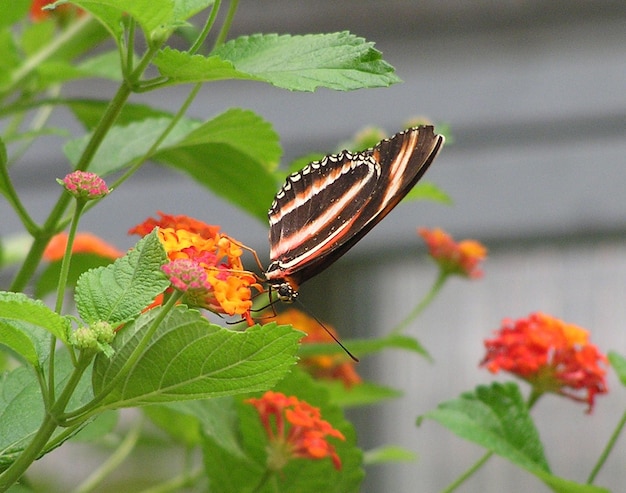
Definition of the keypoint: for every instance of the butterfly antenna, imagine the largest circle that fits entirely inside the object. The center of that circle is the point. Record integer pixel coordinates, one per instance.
(346, 350)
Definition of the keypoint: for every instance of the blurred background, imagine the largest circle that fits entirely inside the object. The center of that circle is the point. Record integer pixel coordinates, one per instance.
(534, 94)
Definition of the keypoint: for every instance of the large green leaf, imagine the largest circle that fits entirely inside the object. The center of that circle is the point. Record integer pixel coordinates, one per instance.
(233, 155)
(125, 143)
(150, 14)
(339, 61)
(497, 418)
(22, 408)
(189, 358)
(13, 11)
(118, 292)
(26, 326)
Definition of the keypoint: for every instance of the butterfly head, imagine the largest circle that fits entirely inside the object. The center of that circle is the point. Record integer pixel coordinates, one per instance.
(286, 292)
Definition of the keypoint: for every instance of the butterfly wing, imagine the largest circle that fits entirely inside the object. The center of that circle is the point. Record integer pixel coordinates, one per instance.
(326, 208)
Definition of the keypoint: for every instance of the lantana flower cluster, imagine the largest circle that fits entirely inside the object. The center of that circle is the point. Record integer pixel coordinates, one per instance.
(553, 356)
(329, 367)
(230, 286)
(295, 429)
(463, 258)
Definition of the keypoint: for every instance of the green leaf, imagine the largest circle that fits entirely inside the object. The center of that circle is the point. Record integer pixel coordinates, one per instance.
(496, 418)
(361, 394)
(190, 358)
(117, 293)
(339, 61)
(618, 362)
(184, 9)
(301, 475)
(90, 111)
(26, 326)
(81, 262)
(182, 67)
(104, 66)
(102, 425)
(13, 11)
(125, 143)
(361, 347)
(389, 453)
(224, 153)
(150, 14)
(22, 408)
(428, 191)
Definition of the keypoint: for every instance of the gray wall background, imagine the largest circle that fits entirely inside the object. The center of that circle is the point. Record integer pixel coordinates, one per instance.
(534, 92)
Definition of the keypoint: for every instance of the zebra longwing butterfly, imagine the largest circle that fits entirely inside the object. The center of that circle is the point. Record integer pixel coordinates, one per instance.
(324, 209)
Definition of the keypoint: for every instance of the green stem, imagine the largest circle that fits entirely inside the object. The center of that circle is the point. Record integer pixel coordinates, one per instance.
(230, 15)
(13, 198)
(34, 449)
(67, 257)
(421, 306)
(183, 480)
(468, 473)
(206, 29)
(51, 225)
(47, 51)
(125, 447)
(68, 418)
(608, 449)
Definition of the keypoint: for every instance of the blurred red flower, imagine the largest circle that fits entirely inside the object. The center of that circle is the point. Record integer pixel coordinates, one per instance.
(462, 258)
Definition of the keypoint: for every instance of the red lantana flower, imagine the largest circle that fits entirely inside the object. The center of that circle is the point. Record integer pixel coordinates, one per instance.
(461, 258)
(83, 243)
(295, 429)
(553, 356)
(230, 286)
(62, 12)
(330, 367)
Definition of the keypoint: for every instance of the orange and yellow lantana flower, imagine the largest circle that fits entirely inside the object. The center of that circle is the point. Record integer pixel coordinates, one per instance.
(462, 258)
(231, 285)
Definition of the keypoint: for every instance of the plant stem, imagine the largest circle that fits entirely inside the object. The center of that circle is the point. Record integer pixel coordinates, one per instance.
(230, 15)
(15, 471)
(125, 447)
(608, 449)
(468, 473)
(207, 27)
(184, 479)
(421, 306)
(79, 414)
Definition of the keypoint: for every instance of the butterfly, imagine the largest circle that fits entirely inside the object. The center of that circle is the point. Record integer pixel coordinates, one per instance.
(324, 209)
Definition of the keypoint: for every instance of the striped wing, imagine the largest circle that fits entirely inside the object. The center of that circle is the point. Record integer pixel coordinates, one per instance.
(324, 209)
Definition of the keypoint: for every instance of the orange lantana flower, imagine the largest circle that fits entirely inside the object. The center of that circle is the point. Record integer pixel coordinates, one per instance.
(331, 367)
(295, 429)
(553, 356)
(461, 258)
(83, 243)
(219, 255)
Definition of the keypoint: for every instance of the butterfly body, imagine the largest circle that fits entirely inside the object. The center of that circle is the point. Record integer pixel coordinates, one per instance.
(324, 209)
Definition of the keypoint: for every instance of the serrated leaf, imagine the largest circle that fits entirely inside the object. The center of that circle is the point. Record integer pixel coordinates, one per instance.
(22, 408)
(386, 454)
(125, 143)
(90, 111)
(339, 61)
(118, 292)
(190, 358)
(150, 14)
(361, 347)
(618, 362)
(182, 67)
(26, 326)
(496, 418)
(428, 191)
(223, 153)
